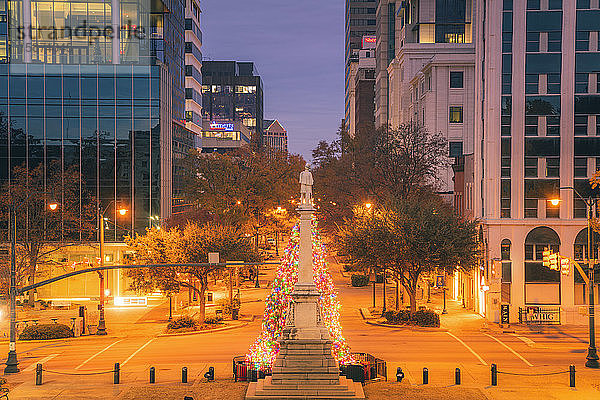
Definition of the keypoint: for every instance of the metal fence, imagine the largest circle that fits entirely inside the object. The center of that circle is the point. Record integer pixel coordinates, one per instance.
(366, 368)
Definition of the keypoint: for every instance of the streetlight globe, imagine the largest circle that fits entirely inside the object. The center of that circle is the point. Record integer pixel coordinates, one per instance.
(122, 211)
(53, 206)
(554, 202)
(368, 205)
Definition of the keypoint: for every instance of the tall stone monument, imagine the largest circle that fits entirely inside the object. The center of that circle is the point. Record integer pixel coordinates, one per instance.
(305, 367)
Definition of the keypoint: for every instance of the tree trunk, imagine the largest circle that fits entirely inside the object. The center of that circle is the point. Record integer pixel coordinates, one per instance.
(412, 295)
(202, 302)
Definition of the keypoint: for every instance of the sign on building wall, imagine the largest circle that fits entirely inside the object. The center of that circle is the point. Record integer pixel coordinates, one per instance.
(369, 42)
(537, 315)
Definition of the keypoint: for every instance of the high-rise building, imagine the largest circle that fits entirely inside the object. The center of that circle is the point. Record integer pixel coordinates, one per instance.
(431, 76)
(385, 53)
(537, 131)
(275, 136)
(360, 22)
(232, 92)
(73, 91)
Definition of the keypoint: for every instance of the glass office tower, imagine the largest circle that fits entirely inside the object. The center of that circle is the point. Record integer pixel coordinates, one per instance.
(73, 91)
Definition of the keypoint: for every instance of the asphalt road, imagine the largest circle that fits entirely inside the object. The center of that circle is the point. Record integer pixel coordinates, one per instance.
(469, 344)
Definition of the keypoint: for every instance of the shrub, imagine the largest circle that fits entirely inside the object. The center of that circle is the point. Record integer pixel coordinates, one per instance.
(397, 317)
(420, 318)
(359, 280)
(46, 332)
(182, 323)
(227, 306)
(213, 320)
(425, 318)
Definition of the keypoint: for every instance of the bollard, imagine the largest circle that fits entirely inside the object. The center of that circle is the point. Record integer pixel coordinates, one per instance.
(571, 376)
(210, 375)
(38, 374)
(116, 376)
(152, 375)
(425, 376)
(399, 374)
(184, 375)
(494, 375)
(457, 376)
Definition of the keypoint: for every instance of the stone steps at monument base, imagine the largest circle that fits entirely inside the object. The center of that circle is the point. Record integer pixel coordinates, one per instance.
(304, 362)
(306, 376)
(309, 369)
(336, 384)
(342, 389)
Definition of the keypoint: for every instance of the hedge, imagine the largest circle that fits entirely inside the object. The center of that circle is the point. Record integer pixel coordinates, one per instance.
(420, 318)
(46, 332)
(359, 280)
(182, 323)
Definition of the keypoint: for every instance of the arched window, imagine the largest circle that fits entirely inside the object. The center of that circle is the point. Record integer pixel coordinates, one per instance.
(536, 242)
(581, 244)
(505, 250)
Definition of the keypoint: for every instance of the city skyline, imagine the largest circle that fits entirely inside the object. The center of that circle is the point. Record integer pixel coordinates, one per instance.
(262, 33)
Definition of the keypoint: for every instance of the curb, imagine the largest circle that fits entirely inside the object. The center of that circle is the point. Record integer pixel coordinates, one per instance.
(78, 338)
(225, 328)
(407, 327)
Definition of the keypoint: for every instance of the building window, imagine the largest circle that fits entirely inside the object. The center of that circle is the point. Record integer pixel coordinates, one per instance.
(554, 41)
(456, 79)
(533, 42)
(456, 115)
(505, 167)
(554, 4)
(533, 4)
(456, 149)
(538, 240)
(505, 198)
(531, 208)
(552, 167)
(581, 125)
(552, 211)
(531, 83)
(531, 126)
(507, 83)
(581, 83)
(580, 167)
(583, 4)
(531, 167)
(552, 125)
(553, 83)
(582, 41)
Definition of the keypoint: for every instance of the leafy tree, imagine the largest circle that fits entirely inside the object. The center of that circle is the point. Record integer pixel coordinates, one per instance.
(243, 187)
(190, 245)
(40, 230)
(380, 165)
(410, 237)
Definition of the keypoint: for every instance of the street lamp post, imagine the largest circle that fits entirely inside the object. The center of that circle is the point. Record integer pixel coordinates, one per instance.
(12, 363)
(592, 354)
(101, 331)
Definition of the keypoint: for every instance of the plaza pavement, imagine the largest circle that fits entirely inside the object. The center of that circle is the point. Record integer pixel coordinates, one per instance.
(468, 342)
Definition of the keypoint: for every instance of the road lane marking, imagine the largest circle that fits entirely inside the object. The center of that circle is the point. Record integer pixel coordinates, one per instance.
(137, 351)
(98, 353)
(468, 348)
(41, 361)
(525, 340)
(510, 349)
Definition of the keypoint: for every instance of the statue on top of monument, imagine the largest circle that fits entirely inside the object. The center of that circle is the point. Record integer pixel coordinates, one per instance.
(306, 184)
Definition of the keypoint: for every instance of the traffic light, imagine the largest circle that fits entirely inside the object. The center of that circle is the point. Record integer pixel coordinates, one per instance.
(546, 257)
(553, 258)
(565, 266)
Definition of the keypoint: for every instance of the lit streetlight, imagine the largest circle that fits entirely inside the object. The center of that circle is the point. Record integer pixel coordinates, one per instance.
(11, 361)
(101, 322)
(592, 354)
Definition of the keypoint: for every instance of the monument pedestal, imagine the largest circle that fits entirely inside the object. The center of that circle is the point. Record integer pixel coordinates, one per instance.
(305, 367)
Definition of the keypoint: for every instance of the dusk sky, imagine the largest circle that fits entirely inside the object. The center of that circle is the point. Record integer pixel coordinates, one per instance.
(298, 49)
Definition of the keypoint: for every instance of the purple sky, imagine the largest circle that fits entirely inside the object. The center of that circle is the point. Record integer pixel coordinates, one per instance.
(298, 49)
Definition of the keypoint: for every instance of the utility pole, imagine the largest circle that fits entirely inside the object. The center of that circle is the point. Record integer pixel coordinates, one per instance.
(11, 362)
